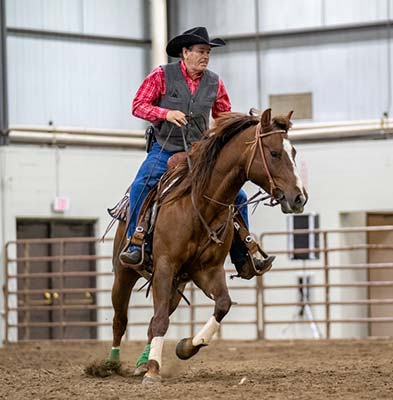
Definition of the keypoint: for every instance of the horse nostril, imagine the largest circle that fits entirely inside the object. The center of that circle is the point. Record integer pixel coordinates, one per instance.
(300, 200)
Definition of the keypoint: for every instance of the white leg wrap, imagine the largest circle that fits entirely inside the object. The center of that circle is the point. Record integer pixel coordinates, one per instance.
(156, 346)
(206, 333)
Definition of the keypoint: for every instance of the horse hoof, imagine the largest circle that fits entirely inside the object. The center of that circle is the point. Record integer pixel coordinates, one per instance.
(151, 380)
(185, 349)
(139, 371)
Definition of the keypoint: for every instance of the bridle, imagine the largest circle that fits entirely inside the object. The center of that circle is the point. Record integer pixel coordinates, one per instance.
(257, 143)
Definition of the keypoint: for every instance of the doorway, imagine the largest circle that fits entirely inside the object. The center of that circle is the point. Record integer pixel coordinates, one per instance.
(48, 306)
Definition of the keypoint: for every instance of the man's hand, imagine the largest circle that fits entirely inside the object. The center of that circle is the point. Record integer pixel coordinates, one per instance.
(176, 117)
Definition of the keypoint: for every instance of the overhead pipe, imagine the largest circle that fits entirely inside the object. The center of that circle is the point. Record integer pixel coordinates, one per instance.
(51, 129)
(380, 128)
(76, 139)
(301, 132)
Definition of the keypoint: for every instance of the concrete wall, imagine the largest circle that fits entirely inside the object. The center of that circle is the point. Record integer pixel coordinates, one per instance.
(344, 179)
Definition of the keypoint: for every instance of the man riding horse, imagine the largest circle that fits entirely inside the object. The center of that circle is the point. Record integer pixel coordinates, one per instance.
(177, 98)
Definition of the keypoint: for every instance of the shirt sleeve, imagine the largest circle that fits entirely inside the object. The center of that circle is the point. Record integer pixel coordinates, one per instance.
(148, 95)
(222, 103)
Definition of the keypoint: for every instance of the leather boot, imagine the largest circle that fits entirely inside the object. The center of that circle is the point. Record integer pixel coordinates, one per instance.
(246, 270)
(131, 256)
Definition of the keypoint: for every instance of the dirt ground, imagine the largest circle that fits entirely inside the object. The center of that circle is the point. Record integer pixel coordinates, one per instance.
(224, 370)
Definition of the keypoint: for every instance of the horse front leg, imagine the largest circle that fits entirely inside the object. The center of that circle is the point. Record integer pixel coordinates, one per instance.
(213, 284)
(162, 289)
(176, 296)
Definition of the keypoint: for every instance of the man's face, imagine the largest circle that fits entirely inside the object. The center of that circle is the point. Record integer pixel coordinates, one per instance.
(196, 57)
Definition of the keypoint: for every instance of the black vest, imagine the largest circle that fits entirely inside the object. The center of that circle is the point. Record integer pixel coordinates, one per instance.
(197, 106)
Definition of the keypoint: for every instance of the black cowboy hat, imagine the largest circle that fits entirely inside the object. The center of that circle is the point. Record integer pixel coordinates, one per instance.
(197, 35)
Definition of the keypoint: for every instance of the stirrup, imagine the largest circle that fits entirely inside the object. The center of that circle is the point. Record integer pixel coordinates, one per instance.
(138, 266)
(248, 269)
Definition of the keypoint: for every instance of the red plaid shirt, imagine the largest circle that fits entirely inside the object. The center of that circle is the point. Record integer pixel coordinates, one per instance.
(153, 88)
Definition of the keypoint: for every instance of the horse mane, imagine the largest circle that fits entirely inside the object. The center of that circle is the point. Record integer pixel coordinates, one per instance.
(205, 152)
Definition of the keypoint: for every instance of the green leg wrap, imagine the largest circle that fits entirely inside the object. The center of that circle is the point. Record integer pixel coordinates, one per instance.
(114, 355)
(144, 357)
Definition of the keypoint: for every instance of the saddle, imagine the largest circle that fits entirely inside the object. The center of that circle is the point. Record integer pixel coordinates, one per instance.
(143, 235)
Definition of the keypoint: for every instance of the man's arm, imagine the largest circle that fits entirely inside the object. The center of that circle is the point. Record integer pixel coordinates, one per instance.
(222, 103)
(148, 95)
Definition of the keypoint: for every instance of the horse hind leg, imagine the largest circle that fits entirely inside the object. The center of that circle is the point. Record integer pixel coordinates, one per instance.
(123, 284)
(214, 286)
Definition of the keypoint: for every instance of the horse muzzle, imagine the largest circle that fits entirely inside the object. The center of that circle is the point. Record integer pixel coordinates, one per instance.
(291, 204)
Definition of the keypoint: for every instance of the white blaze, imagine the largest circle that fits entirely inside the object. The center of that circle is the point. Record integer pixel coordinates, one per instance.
(288, 150)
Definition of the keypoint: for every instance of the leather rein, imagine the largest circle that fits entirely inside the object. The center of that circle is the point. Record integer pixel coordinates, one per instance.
(257, 143)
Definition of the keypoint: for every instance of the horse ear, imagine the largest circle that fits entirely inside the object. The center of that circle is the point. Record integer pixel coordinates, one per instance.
(289, 115)
(265, 119)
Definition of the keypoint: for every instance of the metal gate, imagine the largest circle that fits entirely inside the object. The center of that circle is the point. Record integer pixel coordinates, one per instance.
(334, 302)
(340, 282)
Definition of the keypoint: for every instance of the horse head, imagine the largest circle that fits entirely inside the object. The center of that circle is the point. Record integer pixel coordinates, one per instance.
(272, 163)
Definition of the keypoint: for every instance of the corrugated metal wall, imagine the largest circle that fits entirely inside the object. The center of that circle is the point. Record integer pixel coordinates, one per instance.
(75, 62)
(86, 81)
(340, 51)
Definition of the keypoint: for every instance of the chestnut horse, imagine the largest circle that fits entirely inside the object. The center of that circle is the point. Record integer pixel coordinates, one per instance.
(199, 209)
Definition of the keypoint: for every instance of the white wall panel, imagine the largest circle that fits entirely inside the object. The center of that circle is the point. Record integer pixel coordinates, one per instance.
(289, 14)
(355, 11)
(237, 68)
(233, 17)
(348, 79)
(220, 17)
(73, 83)
(61, 15)
(115, 18)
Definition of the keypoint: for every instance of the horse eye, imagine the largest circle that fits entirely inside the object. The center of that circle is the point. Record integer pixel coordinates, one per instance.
(275, 154)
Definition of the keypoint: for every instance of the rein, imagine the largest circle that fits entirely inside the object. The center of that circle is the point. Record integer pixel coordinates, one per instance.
(258, 144)
(212, 234)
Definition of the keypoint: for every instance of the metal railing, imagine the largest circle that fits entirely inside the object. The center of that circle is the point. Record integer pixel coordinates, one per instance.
(21, 270)
(327, 283)
(21, 300)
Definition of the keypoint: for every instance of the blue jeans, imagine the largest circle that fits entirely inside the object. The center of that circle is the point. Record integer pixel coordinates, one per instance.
(148, 175)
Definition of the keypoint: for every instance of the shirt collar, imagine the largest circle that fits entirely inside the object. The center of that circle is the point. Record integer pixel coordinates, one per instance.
(185, 73)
